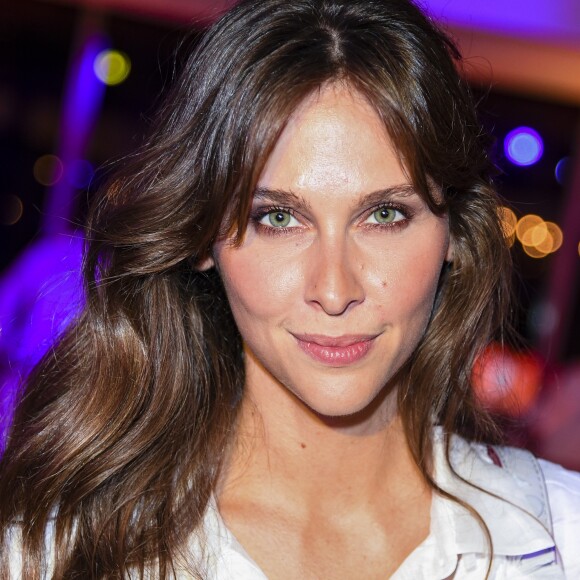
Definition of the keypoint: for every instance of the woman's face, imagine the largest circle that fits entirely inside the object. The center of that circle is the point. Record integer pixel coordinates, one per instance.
(333, 285)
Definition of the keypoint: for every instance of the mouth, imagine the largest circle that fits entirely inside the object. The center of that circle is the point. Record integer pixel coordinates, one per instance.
(336, 350)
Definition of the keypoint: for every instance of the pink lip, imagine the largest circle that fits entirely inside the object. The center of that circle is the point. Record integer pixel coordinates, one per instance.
(335, 350)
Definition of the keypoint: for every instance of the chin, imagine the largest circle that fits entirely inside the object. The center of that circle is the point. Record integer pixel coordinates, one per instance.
(349, 407)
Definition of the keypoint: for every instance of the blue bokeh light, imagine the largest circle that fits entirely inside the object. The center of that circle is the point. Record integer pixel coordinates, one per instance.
(562, 170)
(523, 146)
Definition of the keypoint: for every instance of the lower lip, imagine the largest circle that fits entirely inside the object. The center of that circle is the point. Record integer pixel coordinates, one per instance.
(337, 356)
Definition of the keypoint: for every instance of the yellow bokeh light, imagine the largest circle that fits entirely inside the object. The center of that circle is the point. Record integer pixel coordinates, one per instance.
(48, 170)
(538, 238)
(542, 239)
(509, 221)
(112, 67)
(546, 245)
(525, 224)
(534, 252)
(535, 235)
(553, 239)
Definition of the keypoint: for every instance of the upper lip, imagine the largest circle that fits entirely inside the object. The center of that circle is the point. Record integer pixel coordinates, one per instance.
(343, 340)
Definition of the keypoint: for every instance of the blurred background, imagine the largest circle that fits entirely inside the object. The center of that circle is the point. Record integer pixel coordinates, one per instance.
(79, 82)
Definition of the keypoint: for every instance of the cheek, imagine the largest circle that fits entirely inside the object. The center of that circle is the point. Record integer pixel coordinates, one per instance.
(406, 277)
(258, 284)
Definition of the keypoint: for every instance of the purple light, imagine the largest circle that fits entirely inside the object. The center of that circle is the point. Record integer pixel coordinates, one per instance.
(523, 146)
(40, 294)
(556, 19)
(81, 104)
(79, 173)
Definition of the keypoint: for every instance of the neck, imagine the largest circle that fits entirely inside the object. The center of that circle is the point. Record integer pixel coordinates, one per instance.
(288, 454)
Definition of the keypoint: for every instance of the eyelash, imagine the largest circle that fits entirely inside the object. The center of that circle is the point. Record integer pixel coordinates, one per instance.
(405, 211)
(260, 213)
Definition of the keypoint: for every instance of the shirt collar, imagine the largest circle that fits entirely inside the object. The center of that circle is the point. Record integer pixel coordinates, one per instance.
(511, 509)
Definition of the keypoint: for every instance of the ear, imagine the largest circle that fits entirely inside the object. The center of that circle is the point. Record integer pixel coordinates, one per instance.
(450, 250)
(205, 264)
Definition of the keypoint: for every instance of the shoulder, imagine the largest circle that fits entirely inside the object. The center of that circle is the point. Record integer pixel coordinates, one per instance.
(551, 491)
(513, 493)
(563, 487)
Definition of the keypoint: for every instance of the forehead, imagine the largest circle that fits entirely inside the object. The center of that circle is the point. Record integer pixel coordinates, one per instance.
(333, 144)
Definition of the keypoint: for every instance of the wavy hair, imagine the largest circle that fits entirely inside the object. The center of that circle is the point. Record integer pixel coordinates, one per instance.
(118, 439)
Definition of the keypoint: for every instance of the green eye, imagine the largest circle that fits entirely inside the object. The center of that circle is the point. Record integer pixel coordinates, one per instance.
(385, 215)
(279, 219)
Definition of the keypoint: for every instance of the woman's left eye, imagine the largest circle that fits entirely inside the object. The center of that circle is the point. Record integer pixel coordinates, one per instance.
(386, 215)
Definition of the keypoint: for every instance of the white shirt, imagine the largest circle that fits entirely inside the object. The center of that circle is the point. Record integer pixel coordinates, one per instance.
(523, 546)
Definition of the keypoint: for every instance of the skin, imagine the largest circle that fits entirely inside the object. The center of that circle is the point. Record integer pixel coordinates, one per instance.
(321, 468)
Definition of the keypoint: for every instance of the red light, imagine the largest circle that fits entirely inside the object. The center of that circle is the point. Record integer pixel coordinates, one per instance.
(507, 382)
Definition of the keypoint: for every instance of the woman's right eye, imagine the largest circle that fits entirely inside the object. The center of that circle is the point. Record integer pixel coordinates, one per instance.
(279, 219)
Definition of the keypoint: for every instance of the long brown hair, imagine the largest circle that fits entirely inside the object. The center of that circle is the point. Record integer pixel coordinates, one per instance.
(119, 436)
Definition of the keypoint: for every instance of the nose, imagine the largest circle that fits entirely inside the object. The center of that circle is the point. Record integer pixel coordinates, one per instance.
(334, 283)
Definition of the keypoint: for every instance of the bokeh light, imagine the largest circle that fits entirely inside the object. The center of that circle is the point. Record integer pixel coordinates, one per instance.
(112, 67)
(523, 146)
(535, 235)
(533, 252)
(525, 224)
(48, 170)
(553, 239)
(562, 170)
(538, 238)
(11, 209)
(79, 173)
(506, 381)
(509, 221)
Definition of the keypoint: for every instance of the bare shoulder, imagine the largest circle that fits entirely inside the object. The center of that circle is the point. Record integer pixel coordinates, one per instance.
(563, 488)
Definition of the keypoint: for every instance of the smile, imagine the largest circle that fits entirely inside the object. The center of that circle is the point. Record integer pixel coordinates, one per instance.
(335, 351)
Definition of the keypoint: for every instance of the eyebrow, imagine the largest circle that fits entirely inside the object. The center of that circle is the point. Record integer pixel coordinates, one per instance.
(281, 197)
(382, 195)
(288, 198)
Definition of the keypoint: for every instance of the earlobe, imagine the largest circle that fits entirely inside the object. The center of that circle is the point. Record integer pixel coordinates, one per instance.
(205, 264)
(450, 251)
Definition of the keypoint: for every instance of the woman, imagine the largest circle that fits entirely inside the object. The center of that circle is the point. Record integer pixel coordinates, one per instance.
(286, 291)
